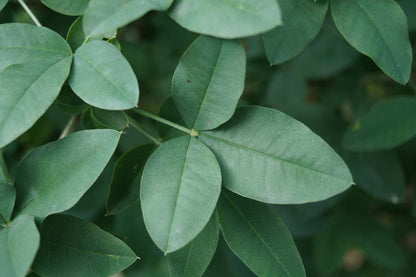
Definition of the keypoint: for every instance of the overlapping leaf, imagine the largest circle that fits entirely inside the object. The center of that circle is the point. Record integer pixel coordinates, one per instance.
(53, 177)
(73, 7)
(302, 21)
(227, 18)
(34, 64)
(19, 244)
(208, 82)
(258, 237)
(74, 247)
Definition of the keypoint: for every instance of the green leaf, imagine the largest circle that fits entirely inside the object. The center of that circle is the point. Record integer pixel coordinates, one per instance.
(19, 244)
(103, 78)
(227, 18)
(69, 102)
(379, 30)
(74, 247)
(3, 4)
(208, 82)
(387, 125)
(73, 7)
(302, 21)
(76, 34)
(125, 183)
(103, 16)
(258, 237)
(7, 198)
(33, 68)
(270, 157)
(110, 119)
(193, 259)
(169, 111)
(180, 186)
(53, 177)
(380, 174)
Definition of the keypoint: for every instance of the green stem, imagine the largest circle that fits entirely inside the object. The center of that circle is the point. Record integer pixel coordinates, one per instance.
(166, 122)
(29, 12)
(70, 126)
(136, 125)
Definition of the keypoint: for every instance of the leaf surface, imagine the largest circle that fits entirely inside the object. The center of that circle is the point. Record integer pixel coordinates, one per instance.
(180, 186)
(103, 78)
(73, 7)
(302, 21)
(270, 157)
(379, 30)
(208, 82)
(227, 18)
(74, 247)
(258, 237)
(19, 244)
(53, 177)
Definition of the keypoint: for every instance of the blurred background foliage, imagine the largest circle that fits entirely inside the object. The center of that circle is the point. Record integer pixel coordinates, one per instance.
(370, 230)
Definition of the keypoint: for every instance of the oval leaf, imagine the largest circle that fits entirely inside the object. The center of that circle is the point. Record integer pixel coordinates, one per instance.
(258, 237)
(227, 18)
(208, 82)
(125, 183)
(180, 186)
(302, 21)
(33, 68)
(19, 244)
(193, 259)
(74, 247)
(103, 16)
(53, 177)
(379, 130)
(110, 119)
(73, 7)
(103, 78)
(379, 30)
(268, 156)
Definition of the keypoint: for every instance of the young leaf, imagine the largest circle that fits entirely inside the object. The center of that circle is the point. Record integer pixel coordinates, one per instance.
(270, 157)
(379, 130)
(379, 30)
(302, 21)
(103, 16)
(103, 78)
(53, 177)
(208, 82)
(193, 259)
(181, 183)
(227, 18)
(2, 4)
(73, 7)
(33, 67)
(74, 247)
(258, 237)
(125, 183)
(19, 244)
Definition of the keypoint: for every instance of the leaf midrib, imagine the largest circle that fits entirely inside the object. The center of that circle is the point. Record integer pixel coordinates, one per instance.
(256, 233)
(236, 145)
